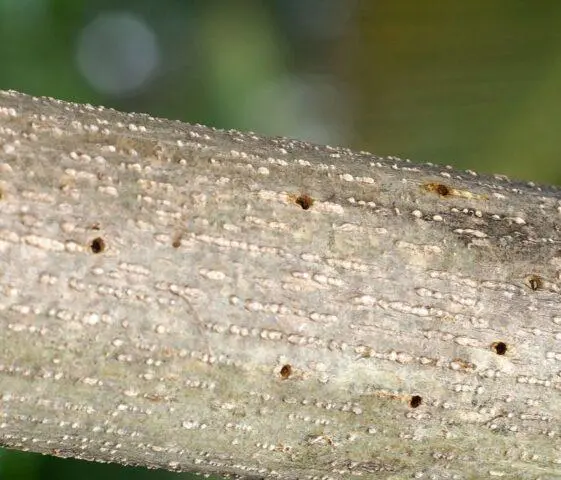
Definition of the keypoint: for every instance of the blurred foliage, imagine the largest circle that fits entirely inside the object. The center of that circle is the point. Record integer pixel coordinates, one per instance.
(474, 84)
(26, 466)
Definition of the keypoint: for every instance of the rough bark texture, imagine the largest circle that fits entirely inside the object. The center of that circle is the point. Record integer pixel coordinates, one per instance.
(175, 296)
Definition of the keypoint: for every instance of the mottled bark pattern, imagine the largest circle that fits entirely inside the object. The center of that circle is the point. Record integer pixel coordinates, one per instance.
(180, 297)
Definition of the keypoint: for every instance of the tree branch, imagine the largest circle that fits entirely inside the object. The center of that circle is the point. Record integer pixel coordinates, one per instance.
(180, 297)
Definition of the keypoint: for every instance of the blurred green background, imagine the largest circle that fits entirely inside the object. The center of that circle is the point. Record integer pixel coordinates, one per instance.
(473, 84)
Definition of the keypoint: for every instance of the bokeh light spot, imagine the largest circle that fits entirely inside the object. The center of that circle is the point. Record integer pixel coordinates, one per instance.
(117, 53)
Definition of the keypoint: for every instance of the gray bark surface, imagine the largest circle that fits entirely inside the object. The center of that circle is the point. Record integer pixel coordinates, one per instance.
(181, 297)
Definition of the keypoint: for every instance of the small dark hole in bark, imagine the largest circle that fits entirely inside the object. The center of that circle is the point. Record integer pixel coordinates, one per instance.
(415, 401)
(439, 188)
(286, 371)
(305, 201)
(535, 282)
(499, 348)
(97, 245)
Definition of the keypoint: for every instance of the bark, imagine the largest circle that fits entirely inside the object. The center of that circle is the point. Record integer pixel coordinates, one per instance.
(181, 297)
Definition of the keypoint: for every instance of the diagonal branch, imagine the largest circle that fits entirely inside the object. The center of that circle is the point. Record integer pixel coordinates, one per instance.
(180, 297)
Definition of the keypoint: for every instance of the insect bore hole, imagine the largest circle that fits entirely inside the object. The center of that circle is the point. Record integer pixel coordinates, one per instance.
(415, 401)
(286, 371)
(534, 282)
(305, 201)
(499, 348)
(97, 245)
(439, 188)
